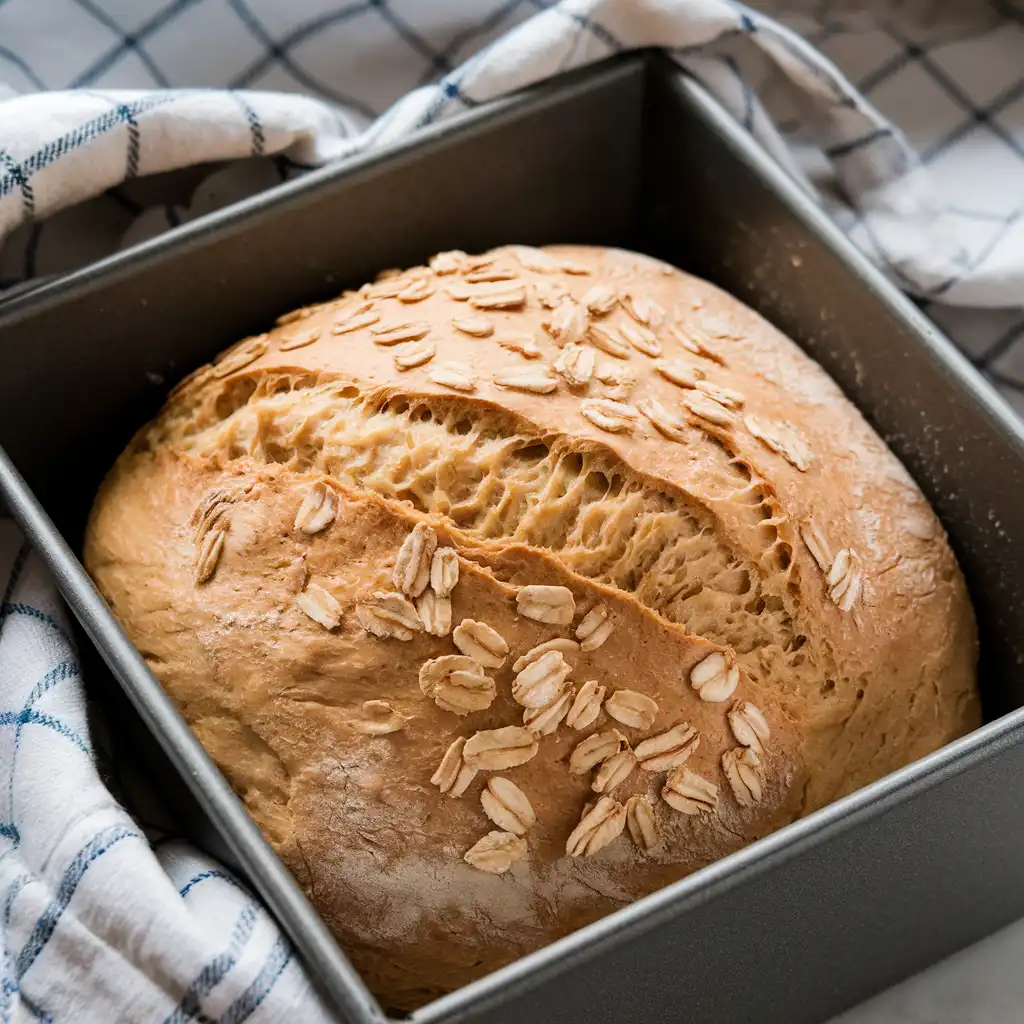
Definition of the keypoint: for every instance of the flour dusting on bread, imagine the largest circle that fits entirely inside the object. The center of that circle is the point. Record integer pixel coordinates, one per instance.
(512, 587)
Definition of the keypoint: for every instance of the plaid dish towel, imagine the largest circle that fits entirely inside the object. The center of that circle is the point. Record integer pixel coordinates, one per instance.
(908, 125)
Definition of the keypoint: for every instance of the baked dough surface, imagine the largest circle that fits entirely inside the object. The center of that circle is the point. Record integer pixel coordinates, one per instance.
(578, 418)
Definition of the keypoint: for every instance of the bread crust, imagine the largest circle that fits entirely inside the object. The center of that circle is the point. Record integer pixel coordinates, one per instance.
(729, 500)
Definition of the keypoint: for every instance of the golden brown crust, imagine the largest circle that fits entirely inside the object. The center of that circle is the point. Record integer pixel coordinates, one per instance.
(729, 499)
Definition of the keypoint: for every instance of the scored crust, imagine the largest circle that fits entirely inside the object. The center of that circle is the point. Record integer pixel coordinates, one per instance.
(578, 418)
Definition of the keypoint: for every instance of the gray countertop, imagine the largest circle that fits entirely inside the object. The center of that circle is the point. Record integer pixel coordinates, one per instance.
(983, 984)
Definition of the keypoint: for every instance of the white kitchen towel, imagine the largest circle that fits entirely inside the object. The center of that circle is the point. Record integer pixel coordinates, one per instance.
(97, 926)
(908, 122)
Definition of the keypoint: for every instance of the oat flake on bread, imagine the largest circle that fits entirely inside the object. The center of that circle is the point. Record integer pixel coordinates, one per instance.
(854, 641)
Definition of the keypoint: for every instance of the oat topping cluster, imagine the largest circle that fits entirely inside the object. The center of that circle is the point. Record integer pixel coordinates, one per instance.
(597, 336)
(424, 575)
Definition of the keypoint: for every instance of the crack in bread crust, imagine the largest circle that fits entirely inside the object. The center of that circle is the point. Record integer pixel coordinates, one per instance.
(498, 480)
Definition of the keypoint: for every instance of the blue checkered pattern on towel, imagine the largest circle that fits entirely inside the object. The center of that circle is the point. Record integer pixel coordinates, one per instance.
(911, 133)
(97, 926)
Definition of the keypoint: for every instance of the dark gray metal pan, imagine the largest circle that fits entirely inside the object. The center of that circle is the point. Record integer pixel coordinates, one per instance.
(793, 928)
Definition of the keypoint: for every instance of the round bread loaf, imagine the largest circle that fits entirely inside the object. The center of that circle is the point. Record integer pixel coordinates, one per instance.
(509, 589)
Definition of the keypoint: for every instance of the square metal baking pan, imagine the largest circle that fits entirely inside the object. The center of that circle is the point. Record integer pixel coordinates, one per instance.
(801, 924)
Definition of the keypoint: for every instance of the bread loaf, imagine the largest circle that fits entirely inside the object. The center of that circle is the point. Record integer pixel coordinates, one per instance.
(509, 589)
